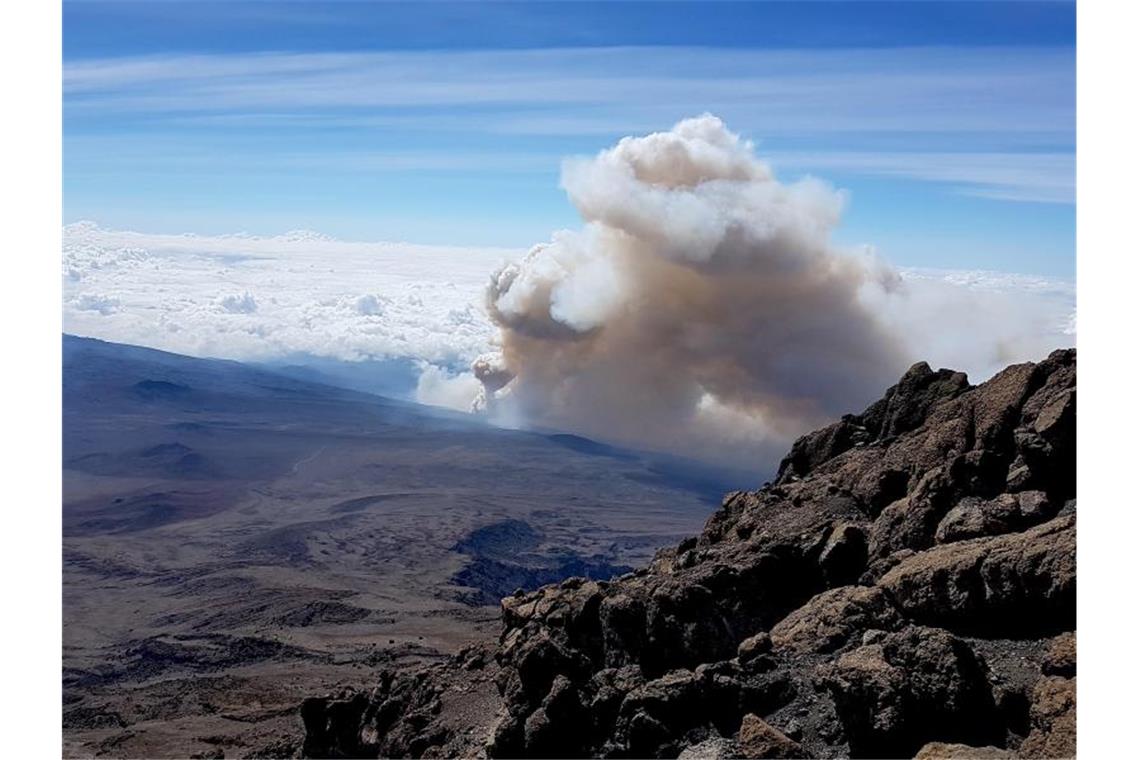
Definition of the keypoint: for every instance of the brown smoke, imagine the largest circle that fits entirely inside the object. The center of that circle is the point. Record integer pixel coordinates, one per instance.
(702, 309)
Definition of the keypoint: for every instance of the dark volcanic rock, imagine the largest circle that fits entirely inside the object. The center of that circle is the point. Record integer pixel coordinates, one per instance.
(943, 751)
(828, 621)
(974, 517)
(1054, 719)
(913, 686)
(1061, 656)
(441, 710)
(900, 588)
(758, 739)
(1022, 581)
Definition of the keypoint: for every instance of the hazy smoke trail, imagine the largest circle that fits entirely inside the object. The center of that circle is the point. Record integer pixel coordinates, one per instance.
(701, 309)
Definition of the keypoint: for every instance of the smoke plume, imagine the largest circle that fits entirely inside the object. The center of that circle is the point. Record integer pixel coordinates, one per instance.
(701, 309)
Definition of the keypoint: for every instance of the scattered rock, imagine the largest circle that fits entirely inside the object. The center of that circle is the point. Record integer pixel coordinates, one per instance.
(1061, 656)
(753, 646)
(830, 620)
(1053, 716)
(942, 751)
(715, 748)
(1034, 506)
(757, 739)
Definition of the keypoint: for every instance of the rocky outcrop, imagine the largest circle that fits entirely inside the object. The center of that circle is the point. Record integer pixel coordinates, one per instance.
(905, 586)
(439, 711)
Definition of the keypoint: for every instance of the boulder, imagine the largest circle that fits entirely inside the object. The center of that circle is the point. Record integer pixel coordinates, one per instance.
(1061, 657)
(560, 726)
(904, 407)
(974, 517)
(916, 685)
(908, 404)
(653, 715)
(834, 618)
(912, 521)
(1012, 584)
(1053, 717)
(757, 739)
(753, 647)
(1034, 507)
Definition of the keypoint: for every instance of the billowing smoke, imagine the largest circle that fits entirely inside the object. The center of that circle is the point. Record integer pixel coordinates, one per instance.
(701, 309)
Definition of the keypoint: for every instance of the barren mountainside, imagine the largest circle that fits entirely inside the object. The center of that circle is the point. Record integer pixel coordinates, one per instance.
(906, 586)
(236, 540)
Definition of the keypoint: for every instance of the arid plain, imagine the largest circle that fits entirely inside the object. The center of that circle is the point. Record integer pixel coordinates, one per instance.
(236, 540)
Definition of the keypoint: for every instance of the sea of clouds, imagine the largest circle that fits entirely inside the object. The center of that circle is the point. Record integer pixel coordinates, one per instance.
(701, 307)
(260, 298)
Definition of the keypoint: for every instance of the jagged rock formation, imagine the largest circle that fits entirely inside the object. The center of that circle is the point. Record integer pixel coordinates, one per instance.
(905, 587)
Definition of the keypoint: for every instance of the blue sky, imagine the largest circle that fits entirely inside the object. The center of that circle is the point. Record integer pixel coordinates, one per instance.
(952, 125)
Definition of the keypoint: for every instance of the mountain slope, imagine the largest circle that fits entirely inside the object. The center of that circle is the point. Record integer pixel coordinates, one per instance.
(236, 539)
(906, 586)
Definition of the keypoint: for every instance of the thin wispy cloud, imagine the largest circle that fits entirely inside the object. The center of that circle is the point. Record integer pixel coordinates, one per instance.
(896, 90)
(950, 129)
(909, 99)
(1032, 177)
(101, 152)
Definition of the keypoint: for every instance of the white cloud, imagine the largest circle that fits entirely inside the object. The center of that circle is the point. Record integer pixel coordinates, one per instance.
(1035, 177)
(96, 302)
(246, 297)
(1017, 91)
(901, 99)
(243, 303)
(304, 293)
(980, 321)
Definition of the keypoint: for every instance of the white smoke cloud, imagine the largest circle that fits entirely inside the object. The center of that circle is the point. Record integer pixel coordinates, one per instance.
(703, 307)
(439, 387)
(979, 321)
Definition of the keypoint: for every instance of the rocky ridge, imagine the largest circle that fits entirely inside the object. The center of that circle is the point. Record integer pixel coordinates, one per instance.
(906, 587)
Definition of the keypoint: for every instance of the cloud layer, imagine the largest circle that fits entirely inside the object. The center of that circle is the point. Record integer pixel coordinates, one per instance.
(1018, 91)
(244, 297)
(701, 308)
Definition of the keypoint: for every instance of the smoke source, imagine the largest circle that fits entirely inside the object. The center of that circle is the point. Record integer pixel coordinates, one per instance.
(701, 309)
